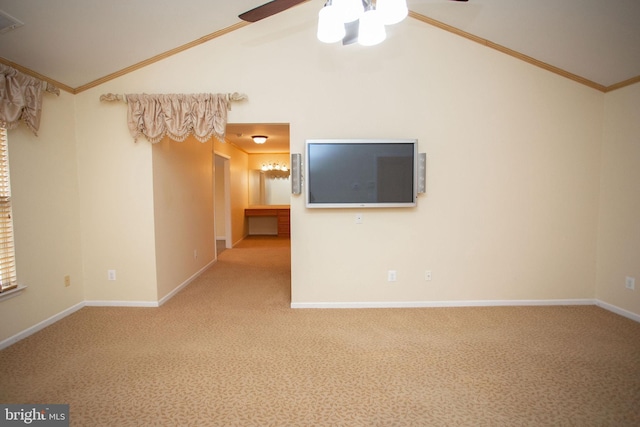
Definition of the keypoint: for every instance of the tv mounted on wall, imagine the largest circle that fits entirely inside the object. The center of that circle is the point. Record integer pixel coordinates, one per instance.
(361, 173)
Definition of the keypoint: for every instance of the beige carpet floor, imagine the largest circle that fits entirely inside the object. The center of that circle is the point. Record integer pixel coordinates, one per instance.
(228, 351)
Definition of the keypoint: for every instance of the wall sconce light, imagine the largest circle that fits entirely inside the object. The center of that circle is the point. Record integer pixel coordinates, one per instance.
(259, 139)
(275, 170)
(274, 167)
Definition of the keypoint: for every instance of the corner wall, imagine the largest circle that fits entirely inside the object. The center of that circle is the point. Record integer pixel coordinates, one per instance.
(183, 211)
(619, 224)
(513, 180)
(46, 219)
(116, 202)
(510, 212)
(513, 164)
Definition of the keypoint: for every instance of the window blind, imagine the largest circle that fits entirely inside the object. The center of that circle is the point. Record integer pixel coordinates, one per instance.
(7, 250)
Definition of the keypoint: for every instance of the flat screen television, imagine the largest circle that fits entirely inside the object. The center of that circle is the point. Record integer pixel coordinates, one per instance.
(361, 173)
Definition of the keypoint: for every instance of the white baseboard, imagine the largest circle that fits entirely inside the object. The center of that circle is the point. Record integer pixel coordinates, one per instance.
(481, 303)
(426, 304)
(618, 310)
(234, 244)
(407, 304)
(185, 283)
(150, 303)
(108, 303)
(39, 326)
(97, 303)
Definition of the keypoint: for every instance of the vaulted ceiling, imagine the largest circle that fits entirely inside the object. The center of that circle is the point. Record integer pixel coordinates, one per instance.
(80, 43)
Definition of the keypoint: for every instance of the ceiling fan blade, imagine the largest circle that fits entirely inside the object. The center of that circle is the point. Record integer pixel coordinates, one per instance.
(268, 9)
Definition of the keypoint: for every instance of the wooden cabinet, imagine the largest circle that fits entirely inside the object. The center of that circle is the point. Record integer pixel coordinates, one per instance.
(280, 212)
(283, 222)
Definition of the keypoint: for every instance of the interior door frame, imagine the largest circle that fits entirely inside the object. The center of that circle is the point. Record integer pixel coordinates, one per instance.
(227, 196)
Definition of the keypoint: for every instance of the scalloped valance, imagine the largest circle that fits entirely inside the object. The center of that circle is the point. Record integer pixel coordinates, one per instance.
(177, 116)
(21, 98)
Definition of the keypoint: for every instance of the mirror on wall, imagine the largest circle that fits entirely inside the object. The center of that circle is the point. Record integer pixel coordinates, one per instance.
(268, 188)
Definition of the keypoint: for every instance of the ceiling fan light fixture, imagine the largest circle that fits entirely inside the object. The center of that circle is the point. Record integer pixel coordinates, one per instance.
(349, 10)
(372, 31)
(259, 139)
(330, 26)
(392, 11)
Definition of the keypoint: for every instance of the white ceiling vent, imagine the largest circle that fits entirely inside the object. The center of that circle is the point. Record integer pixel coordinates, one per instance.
(8, 22)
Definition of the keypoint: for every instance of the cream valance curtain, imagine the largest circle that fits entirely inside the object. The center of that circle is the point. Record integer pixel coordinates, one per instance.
(21, 98)
(177, 116)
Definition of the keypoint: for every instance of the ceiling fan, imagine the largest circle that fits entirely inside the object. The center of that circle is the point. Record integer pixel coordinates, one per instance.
(349, 33)
(268, 9)
(274, 7)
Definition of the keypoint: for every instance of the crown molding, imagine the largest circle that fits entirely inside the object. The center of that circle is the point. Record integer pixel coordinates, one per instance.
(32, 73)
(161, 56)
(237, 26)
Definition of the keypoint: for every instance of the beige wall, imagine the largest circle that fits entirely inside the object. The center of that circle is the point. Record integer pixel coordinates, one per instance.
(510, 213)
(116, 202)
(46, 218)
(183, 207)
(619, 227)
(257, 160)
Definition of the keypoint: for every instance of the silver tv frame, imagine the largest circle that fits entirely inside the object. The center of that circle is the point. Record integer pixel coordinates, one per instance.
(315, 205)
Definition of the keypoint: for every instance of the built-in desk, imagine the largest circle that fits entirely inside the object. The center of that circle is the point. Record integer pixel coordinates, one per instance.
(281, 213)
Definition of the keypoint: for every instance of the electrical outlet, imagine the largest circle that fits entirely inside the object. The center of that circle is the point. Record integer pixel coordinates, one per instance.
(111, 274)
(391, 276)
(427, 275)
(358, 218)
(630, 283)
(67, 280)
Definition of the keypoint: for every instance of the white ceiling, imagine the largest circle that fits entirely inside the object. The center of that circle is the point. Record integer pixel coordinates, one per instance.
(239, 134)
(77, 42)
(595, 39)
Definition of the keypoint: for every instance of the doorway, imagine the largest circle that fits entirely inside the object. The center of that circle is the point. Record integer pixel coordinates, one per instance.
(222, 202)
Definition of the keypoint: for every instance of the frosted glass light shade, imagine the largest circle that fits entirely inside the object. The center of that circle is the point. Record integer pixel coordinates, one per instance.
(349, 10)
(330, 26)
(392, 11)
(259, 139)
(372, 29)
